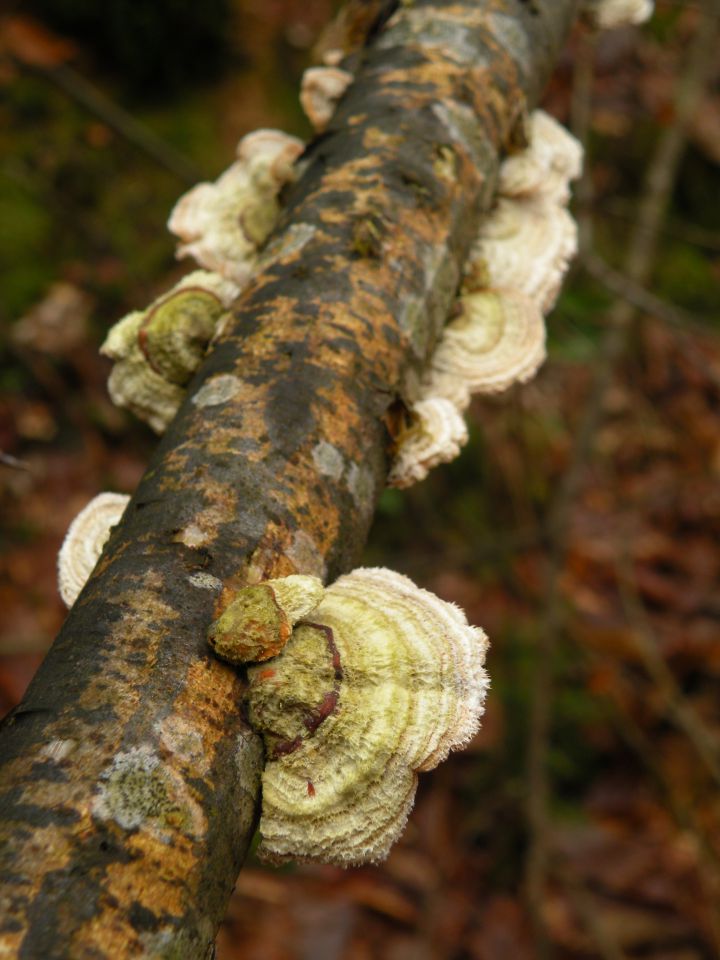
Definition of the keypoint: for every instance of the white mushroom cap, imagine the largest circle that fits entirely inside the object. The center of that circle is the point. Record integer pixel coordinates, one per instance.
(607, 14)
(436, 435)
(382, 680)
(498, 340)
(320, 90)
(526, 245)
(545, 168)
(222, 224)
(84, 542)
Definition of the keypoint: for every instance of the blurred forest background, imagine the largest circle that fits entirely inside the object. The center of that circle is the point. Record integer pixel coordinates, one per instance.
(580, 527)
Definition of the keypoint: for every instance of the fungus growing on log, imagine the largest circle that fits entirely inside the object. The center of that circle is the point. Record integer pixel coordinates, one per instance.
(526, 245)
(607, 14)
(84, 541)
(379, 683)
(528, 240)
(435, 435)
(545, 168)
(320, 90)
(222, 225)
(511, 279)
(255, 622)
(156, 351)
(498, 340)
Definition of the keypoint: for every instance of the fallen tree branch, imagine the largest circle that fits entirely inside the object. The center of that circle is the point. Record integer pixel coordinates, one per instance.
(129, 780)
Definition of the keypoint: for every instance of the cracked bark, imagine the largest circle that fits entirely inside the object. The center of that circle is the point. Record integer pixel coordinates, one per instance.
(129, 780)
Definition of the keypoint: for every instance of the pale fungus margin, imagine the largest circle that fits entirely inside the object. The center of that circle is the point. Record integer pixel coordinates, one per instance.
(498, 340)
(608, 14)
(435, 435)
(84, 542)
(379, 682)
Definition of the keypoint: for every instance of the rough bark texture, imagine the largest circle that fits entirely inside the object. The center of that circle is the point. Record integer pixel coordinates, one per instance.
(129, 780)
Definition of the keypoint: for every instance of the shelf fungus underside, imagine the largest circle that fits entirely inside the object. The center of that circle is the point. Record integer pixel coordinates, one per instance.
(84, 542)
(381, 681)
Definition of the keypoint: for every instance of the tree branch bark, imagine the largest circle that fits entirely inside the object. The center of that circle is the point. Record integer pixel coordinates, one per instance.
(129, 779)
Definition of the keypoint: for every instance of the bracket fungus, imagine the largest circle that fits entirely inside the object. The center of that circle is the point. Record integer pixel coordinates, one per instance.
(526, 245)
(511, 279)
(546, 166)
(436, 435)
(528, 240)
(223, 224)
(320, 90)
(498, 340)
(381, 682)
(255, 622)
(607, 14)
(157, 350)
(84, 542)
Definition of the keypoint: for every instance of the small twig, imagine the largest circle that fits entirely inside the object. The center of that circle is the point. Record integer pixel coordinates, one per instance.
(538, 783)
(674, 229)
(87, 95)
(636, 294)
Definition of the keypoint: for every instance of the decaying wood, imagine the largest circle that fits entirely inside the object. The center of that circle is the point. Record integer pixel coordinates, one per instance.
(129, 780)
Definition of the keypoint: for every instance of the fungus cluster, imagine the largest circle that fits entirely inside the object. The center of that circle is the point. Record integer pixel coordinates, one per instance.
(378, 680)
(222, 225)
(512, 278)
(84, 542)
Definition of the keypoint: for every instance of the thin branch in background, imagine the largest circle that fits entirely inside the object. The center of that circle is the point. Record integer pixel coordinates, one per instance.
(7, 460)
(636, 294)
(675, 317)
(682, 713)
(659, 181)
(674, 229)
(118, 119)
